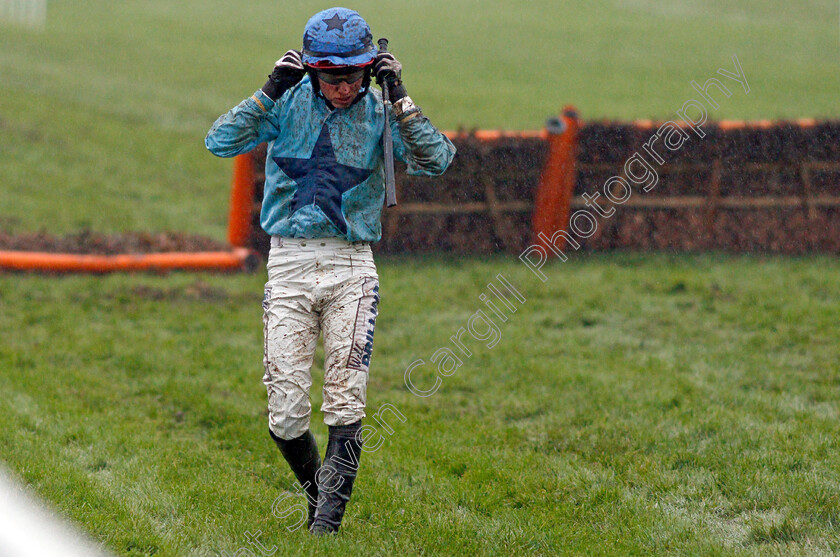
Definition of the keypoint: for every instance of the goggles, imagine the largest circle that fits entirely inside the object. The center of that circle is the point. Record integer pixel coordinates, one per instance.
(335, 78)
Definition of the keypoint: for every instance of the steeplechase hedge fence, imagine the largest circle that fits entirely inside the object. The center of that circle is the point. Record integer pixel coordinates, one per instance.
(743, 187)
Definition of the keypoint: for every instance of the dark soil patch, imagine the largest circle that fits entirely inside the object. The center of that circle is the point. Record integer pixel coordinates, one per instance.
(87, 242)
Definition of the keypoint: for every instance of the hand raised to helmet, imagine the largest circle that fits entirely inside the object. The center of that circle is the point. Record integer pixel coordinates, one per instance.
(288, 71)
(388, 72)
(387, 69)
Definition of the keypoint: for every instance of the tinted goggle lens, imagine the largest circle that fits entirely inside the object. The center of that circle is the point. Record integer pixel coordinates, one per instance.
(335, 79)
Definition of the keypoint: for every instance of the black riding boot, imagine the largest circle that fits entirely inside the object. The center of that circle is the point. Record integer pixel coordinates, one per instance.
(336, 477)
(302, 455)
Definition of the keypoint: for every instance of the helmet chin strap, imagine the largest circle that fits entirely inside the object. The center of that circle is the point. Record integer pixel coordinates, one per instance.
(316, 86)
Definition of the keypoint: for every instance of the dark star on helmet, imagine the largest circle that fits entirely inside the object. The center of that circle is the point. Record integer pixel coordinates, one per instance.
(335, 22)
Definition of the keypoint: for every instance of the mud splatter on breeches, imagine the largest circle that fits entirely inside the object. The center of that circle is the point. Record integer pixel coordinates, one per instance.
(321, 285)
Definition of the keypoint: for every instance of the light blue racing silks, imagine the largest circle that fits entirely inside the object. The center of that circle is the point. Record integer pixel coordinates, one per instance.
(324, 170)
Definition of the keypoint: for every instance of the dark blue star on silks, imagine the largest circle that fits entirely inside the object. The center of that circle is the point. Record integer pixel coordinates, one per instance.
(335, 22)
(321, 179)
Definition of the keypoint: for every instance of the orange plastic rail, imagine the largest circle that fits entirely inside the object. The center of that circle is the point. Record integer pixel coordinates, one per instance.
(234, 260)
(241, 201)
(557, 183)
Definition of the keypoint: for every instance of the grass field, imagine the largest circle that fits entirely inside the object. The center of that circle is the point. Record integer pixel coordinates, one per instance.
(635, 404)
(105, 110)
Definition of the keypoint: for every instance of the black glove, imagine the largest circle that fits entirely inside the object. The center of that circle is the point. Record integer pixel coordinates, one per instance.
(288, 71)
(388, 71)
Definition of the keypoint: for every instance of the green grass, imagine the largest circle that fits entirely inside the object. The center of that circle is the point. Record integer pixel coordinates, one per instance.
(103, 112)
(635, 405)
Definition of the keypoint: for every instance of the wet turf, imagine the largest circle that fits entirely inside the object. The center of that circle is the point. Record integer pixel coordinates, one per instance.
(631, 405)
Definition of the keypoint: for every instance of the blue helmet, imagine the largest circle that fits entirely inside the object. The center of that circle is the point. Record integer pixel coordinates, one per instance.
(337, 37)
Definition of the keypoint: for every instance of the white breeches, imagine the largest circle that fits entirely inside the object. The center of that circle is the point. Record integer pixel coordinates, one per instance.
(316, 285)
